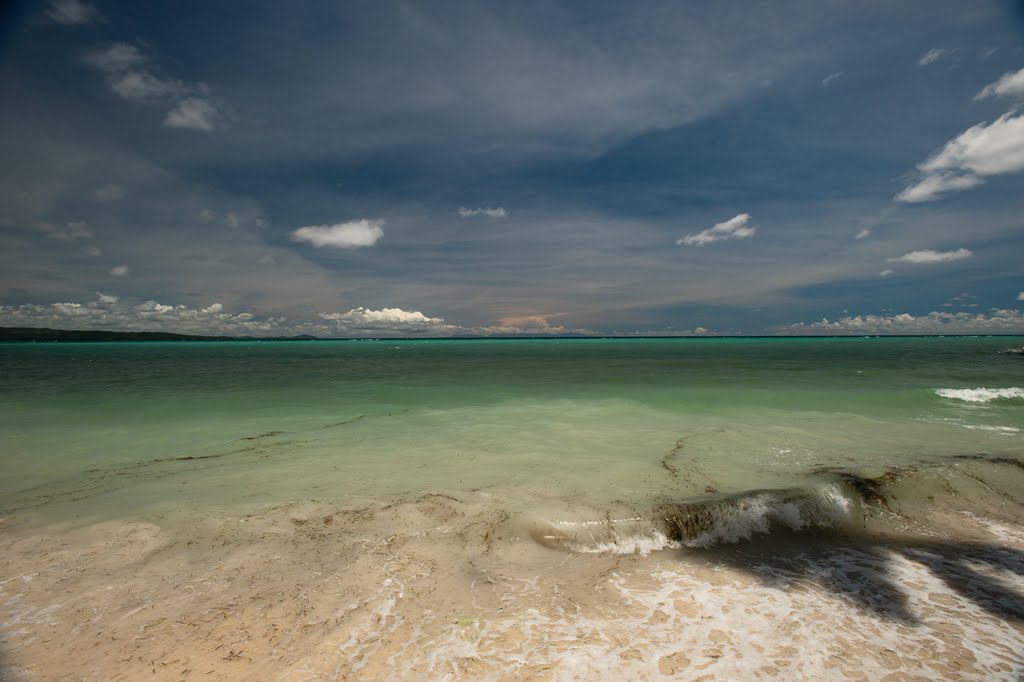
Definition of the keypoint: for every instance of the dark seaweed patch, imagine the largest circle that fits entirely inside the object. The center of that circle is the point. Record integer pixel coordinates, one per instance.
(982, 457)
(869, 489)
(186, 458)
(667, 461)
(685, 521)
(353, 420)
(267, 434)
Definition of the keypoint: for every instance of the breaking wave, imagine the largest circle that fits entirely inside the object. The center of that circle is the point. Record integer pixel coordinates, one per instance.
(704, 523)
(981, 395)
(845, 502)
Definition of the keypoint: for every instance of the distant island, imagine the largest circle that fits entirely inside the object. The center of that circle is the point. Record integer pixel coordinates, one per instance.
(40, 334)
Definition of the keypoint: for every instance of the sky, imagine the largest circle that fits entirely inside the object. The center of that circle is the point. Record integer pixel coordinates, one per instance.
(368, 169)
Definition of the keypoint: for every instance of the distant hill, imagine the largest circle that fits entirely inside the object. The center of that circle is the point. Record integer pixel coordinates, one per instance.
(29, 334)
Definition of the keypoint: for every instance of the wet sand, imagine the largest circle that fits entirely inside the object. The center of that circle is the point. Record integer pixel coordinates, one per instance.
(450, 587)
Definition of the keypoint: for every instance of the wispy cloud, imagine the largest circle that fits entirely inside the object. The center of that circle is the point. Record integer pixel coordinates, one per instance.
(115, 58)
(831, 78)
(963, 300)
(886, 272)
(350, 235)
(927, 256)
(73, 13)
(497, 212)
(933, 55)
(145, 88)
(978, 152)
(996, 321)
(934, 185)
(119, 270)
(863, 233)
(538, 323)
(1010, 85)
(72, 231)
(130, 76)
(734, 228)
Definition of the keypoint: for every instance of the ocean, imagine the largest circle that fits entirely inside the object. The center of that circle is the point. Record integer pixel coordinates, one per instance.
(741, 508)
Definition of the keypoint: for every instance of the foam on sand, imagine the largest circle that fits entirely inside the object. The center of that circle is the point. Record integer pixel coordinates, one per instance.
(441, 588)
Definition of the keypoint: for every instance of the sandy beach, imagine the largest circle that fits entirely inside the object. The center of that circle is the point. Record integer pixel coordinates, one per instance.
(445, 588)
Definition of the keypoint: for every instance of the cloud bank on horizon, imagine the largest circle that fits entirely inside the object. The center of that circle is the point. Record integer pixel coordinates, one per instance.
(495, 169)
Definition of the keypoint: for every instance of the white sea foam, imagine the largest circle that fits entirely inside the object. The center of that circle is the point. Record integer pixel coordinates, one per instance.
(981, 394)
(703, 524)
(637, 544)
(1005, 430)
(627, 535)
(995, 429)
(756, 514)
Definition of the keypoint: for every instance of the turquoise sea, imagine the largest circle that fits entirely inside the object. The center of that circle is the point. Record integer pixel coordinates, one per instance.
(585, 451)
(540, 421)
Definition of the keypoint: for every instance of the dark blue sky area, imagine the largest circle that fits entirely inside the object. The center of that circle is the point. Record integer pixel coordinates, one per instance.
(399, 168)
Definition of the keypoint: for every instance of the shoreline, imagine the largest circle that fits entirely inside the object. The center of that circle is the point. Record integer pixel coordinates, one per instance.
(445, 586)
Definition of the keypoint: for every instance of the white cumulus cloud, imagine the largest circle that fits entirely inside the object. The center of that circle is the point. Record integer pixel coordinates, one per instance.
(386, 320)
(992, 322)
(350, 235)
(496, 212)
(734, 228)
(930, 256)
(1020, 296)
(73, 12)
(154, 307)
(1010, 85)
(194, 113)
(984, 149)
(110, 312)
(996, 148)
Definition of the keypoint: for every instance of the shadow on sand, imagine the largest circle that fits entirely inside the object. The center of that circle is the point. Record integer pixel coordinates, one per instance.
(10, 673)
(864, 570)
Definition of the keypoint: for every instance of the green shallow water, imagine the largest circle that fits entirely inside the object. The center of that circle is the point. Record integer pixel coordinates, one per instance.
(107, 430)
